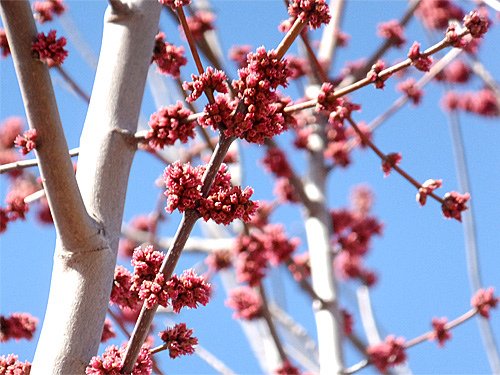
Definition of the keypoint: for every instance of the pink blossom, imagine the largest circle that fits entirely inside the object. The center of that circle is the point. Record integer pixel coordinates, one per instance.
(362, 199)
(373, 74)
(483, 103)
(411, 90)
(211, 80)
(17, 326)
(168, 57)
(276, 162)
(484, 300)
(154, 292)
(418, 60)
(441, 333)
(456, 72)
(146, 262)
(314, 12)
(279, 247)
(451, 101)
(251, 258)
(339, 153)
(348, 322)
(261, 216)
(287, 369)
(188, 290)
(284, 191)
(10, 128)
(245, 302)
(453, 204)
(170, 124)
(327, 101)
(4, 219)
(476, 23)
(219, 115)
(427, 188)
(27, 141)
(387, 354)
(122, 293)
(219, 260)
(350, 266)
(239, 54)
(175, 3)
(49, 50)
(390, 161)
(199, 23)
(45, 10)
(183, 184)
(111, 362)
(436, 13)
(4, 43)
(10, 365)
(107, 331)
(179, 340)
(393, 31)
(299, 266)
(298, 66)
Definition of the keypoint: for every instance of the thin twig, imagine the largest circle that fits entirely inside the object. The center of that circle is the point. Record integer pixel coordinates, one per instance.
(4, 168)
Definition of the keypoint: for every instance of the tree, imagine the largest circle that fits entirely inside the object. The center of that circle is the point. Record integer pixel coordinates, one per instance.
(87, 211)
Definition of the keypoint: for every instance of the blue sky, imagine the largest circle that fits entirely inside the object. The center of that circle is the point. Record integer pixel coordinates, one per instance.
(420, 259)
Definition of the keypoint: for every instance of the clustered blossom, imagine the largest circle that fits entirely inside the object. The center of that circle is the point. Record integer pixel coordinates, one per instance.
(179, 340)
(188, 290)
(287, 369)
(441, 333)
(49, 49)
(348, 322)
(411, 90)
(107, 331)
(154, 292)
(436, 14)
(390, 161)
(260, 114)
(340, 108)
(175, 3)
(454, 204)
(300, 266)
(245, 302)
(427, 188)
(239, 54)
(314, 12)
(211, 80)
(284, 191)
(27, 141)
(224, 202)
(254, 250)
(276, 162)
(476, 23)
(456, 72)
(168, 58)
(170, 124)
(298, 66)
(482, 103)
(146, 262)
(4, 43)
(418, 60)
(11, 365)
(201, 22)
(17, 326)
(219, 260)
(484, 300)
(387, 354)
(393, 31)
(45, 10)
(122, 293)
(111, 362)
(373, 74)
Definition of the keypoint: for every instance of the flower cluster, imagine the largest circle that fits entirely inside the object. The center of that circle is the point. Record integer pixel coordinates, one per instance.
(223, 204)
(17, 326)
(389, 353)
(199, 23)
(4, 43)
(27, 141)
(122, 293)
(389, 161)
(454, 204)
(455, 72)
(419, 60)
(427, 188)
(47, 9)
(170, 124)
(254, 250)
(436, 14)
(168, 57)
(179, 340)
(441, 333)
(476, 23)
(482, 103)
(314, 12)
(188, 290)
(146, 262)
(276, 162)
(10, 364)
(111, 362)
(484, 300)
(49, 49)
(411, 90)
(348, 322)
(245, 302)
(219, 260)
(393, 31)
(373, 74)
(211, 80)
